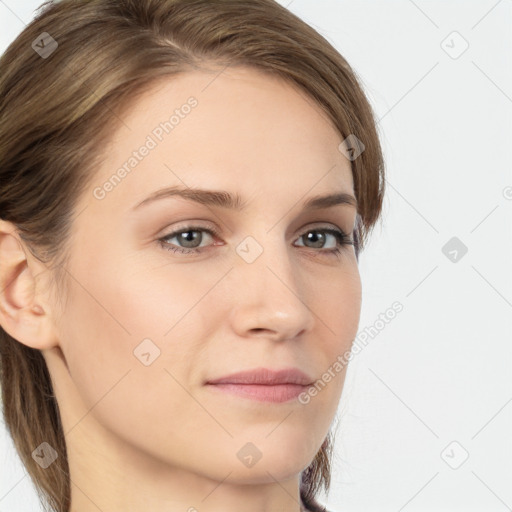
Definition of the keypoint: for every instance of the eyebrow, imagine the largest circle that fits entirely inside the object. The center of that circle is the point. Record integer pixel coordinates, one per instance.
(224, 199)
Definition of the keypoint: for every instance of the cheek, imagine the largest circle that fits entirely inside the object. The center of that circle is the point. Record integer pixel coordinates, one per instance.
(144, 322)
(338, 311)
(114, 321)
(339, 308)
(103, 327)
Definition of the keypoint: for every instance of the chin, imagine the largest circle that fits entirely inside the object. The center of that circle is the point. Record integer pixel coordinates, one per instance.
(271, 457)
(275, 469)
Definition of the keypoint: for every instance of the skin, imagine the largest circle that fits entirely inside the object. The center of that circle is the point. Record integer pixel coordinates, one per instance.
(155, 437)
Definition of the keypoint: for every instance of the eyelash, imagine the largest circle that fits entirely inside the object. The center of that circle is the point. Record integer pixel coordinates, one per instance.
(342, 238)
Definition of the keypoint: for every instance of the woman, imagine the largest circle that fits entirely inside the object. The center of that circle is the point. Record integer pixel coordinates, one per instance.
(185, 189)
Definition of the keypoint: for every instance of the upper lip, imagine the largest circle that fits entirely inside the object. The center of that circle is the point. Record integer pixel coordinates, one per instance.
(265, 376)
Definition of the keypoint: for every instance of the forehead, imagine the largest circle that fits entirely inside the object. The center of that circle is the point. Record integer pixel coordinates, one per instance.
(237, 129)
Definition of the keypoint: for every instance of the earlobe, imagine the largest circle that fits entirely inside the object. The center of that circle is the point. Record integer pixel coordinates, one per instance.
(21, 313)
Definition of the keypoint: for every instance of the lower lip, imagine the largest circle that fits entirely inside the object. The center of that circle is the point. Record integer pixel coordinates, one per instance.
(263, 393)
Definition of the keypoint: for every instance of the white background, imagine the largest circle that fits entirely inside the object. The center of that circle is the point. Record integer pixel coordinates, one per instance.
(440, 371)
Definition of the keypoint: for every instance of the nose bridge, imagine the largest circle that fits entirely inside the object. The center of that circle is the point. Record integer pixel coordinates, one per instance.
(273, 296)
(265, 260)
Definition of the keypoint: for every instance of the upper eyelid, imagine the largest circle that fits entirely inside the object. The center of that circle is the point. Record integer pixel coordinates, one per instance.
(347, 235)
(216, 232)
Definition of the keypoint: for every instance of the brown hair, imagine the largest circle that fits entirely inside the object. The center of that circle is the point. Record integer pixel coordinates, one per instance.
(57, 109)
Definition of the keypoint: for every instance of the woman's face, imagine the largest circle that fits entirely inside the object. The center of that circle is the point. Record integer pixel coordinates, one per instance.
(148, 322)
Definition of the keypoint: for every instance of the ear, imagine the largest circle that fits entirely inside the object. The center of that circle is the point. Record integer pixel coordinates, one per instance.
(24, 312)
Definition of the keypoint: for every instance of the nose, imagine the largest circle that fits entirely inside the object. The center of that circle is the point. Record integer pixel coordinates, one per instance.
(269, 295)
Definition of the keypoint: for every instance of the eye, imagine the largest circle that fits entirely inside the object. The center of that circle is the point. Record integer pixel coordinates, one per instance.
(318, 238)
(189, 239)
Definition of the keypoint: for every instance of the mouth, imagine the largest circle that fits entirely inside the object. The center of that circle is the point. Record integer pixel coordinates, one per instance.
(276, 393)
(263, 384)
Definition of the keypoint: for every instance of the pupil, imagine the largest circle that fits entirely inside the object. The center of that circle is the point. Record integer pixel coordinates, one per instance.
(186, 238)
(316, 234)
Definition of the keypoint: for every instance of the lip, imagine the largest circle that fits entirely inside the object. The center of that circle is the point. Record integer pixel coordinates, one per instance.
(264, 384)
(266, 376)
